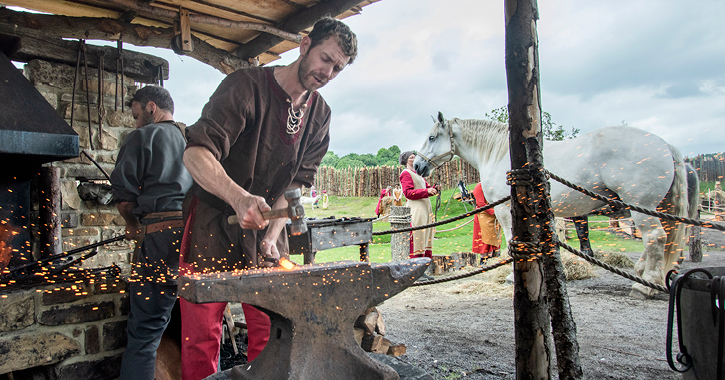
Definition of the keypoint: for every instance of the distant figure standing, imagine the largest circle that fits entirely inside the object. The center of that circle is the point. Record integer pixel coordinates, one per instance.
(383, 193)
(397, 196)
(486, 229)
(313, 195)
(417, 190)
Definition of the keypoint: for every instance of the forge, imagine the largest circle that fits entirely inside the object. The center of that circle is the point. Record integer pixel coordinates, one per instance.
(312, 309)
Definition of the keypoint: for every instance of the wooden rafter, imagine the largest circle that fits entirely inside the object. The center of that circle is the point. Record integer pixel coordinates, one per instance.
(35, 25)
(156, 12)
(295, 24)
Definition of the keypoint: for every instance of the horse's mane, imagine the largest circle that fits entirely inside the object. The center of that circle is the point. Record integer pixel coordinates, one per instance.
(489, 137)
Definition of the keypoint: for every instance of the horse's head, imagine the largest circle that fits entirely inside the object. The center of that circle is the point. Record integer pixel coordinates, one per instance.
(437, 149)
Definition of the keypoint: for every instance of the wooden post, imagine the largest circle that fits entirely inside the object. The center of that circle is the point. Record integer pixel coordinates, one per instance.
(696, 242)
(537, 282)
(49, 213)
(400, 242)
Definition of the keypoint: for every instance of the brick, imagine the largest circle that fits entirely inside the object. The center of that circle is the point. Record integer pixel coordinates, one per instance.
(102, 219)
(92, 340)
(31, 350)
(110, 286)
(69, 232)
(18, 311)
(67, 294)
(102, 369)
(114, 335)
(69, 220)
(67, 314)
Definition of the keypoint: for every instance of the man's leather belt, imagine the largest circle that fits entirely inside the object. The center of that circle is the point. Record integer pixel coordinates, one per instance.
(165, 225)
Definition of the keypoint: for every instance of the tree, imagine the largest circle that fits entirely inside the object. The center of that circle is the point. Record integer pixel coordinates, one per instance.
(551, 130)
(330, 159)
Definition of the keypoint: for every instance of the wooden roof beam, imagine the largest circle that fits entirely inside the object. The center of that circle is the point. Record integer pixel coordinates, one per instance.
(295, 24)
(37, 26)
(161, 13)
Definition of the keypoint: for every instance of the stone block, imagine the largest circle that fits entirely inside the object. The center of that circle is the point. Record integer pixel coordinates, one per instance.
(125, 305)
(18, 310)
(67, 314)
(52, 74)
(105, 368)
(69, 220)
(51, 97)
(111, 286)
(109, 141)
(80, 232)
(67, 294)
(114, 335)
(102, 219)
(92, 340)
(80, 113)
(89, 172)
(120, 119)
(70, 243)
(108, 159)
(69, 196)
(35, 349)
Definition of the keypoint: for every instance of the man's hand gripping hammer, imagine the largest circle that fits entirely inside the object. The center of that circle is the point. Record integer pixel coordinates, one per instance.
(295, 211)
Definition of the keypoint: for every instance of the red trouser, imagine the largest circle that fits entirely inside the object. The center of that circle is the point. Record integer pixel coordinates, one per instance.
(201, 324)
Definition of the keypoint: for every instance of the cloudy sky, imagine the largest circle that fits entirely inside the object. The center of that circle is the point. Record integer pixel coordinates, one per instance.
(654, 64)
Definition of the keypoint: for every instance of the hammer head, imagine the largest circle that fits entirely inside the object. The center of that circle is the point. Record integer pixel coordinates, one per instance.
(295, 211)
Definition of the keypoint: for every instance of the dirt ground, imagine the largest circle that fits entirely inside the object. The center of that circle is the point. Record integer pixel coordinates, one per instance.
(459, 330)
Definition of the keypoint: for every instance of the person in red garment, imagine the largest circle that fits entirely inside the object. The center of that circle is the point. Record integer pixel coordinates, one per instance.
(418, 191)
(263, 131)
(486, 229)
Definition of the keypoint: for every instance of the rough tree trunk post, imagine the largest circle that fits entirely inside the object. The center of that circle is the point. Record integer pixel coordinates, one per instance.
(49, 213)
(400, 242)
(539, 282)
(696, 241)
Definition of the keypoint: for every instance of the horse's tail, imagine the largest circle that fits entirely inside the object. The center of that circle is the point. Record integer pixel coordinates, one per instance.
(693, 191)
(676, 203)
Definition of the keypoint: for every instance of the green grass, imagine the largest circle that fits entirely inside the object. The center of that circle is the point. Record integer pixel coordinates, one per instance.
(458, 240)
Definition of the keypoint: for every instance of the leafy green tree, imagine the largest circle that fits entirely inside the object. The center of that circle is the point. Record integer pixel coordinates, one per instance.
(330, 159)
(347, 162)
(551, 130)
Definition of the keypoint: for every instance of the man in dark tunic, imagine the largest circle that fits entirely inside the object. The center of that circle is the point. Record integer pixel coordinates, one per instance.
(149, 183)
(264, 130)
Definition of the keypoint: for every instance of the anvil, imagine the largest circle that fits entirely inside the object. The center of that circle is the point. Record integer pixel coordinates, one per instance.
(312, 309)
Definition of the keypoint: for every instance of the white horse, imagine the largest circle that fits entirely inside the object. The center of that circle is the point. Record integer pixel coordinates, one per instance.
(624, 163)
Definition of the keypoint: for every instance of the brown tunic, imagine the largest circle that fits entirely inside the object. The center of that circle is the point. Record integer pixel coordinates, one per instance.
(244, 125)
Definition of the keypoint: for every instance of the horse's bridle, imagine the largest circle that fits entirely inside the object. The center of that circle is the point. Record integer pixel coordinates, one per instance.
(450, 152)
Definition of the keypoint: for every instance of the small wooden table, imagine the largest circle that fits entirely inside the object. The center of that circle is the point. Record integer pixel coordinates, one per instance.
(332, 233)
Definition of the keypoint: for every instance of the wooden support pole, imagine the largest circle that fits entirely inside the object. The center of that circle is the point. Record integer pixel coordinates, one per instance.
(49, 212)
(539, 285)
(696, 241)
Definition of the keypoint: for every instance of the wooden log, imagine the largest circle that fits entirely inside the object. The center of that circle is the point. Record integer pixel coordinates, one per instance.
(379, 323)
(397, 350)
(372, 343)
(538, 308)
(359, 334)
(49, 203)
(368, 321)
(384, 347)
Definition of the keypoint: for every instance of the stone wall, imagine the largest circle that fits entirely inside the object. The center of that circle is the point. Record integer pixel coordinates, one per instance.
(69, 331)
(86, 222)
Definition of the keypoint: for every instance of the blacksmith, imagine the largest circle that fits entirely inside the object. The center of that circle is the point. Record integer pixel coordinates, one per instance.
(264, 130)
(149, 183)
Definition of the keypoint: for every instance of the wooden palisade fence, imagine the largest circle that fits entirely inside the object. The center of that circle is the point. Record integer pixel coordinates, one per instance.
(710, 167)
(368, 181)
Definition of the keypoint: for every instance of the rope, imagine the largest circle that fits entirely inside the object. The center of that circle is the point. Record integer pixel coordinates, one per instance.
(612, 269)
(455, 228)
(464, 275)
(645, 211)
(445, 221)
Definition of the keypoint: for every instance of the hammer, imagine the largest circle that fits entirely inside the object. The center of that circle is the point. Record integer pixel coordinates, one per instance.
(294, 211)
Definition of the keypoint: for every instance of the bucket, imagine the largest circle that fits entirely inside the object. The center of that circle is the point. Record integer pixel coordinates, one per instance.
(698, 333)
